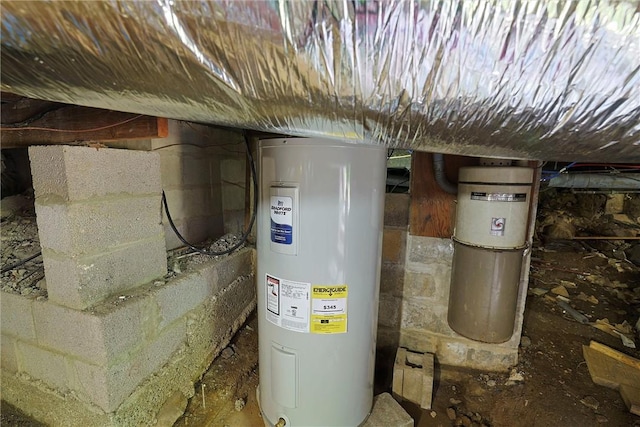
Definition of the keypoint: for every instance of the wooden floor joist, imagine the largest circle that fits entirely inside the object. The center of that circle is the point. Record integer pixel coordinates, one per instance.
(28, 121)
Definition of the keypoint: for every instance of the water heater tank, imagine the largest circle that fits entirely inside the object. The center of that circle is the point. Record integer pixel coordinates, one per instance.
(319, 248)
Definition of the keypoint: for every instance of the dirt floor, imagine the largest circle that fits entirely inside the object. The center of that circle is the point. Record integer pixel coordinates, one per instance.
(226, 394)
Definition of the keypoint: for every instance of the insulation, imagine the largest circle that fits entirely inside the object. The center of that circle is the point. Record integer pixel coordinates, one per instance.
(549, 80)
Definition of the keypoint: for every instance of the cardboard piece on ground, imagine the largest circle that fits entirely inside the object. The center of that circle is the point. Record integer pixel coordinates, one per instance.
(616, 370)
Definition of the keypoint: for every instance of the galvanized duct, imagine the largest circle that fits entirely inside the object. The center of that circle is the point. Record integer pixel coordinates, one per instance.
(532, 79)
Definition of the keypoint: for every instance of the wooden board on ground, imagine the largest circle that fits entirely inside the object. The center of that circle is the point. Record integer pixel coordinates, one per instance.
(613, 369)
(631, 397)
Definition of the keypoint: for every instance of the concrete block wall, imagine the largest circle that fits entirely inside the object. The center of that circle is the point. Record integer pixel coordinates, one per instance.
(203, 175)
(203, 170)
(98, 221)
(115, 338)
(116, 363)
(234, 178)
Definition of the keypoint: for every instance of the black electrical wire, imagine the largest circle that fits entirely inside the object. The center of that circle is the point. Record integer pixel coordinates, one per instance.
(19, 263)
(245, 235)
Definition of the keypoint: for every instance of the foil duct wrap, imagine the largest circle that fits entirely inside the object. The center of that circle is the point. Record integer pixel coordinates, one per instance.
(550, 80)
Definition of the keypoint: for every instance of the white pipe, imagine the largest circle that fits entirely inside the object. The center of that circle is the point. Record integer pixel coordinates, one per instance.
(590, 180)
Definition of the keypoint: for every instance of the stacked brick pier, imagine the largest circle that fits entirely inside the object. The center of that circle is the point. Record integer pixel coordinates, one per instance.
(114, 340)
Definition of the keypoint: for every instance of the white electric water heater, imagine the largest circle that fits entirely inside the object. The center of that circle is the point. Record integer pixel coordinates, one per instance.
(319, 241)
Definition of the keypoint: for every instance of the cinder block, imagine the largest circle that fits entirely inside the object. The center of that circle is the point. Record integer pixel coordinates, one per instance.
(396, 210)
(452, 352)
(220, 273)
(233, 170)
(233, 197)
(429, 249)
(420, 341)
(188, 203)
(392, 279)
(393, 243)
(84, 281)
(231, 267)
(460, 351)
(200, 170)
(79, 173)
(495, 359)
(431, 281)
(16, 313)
(421, 313)
(226, 308)
(44, 365)
(113, 330)
(233, 300)
(387, 412)
(89, 227)
(180, 296)
(413, 377)
(389, 311)
(194, 230)
(108, 386)
(234, 221)
(170, 169)
(8, 357)
(419, 285)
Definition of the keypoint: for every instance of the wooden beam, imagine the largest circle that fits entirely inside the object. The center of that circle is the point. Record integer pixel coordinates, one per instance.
(20, 110)
(432, 211)
(8, 97)
(63, 124)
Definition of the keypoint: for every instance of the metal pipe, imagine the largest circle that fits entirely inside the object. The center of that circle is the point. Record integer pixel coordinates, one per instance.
(441, 178)
(590, 180)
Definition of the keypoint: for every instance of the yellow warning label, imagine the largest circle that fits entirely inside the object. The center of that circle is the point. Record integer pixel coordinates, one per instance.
(329, 309)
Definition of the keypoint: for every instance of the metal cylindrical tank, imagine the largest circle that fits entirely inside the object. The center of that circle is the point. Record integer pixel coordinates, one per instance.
(489, 244)
(493, 206)
(319, 242)
(484, 292)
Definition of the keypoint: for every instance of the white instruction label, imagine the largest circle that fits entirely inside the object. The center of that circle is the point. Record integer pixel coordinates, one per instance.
(287, 303)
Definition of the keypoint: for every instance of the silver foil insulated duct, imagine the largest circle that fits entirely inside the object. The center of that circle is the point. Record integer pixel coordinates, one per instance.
(551, 80)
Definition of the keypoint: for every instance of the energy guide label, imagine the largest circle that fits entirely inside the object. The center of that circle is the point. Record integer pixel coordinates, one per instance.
(287, 303)
(329, 309)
